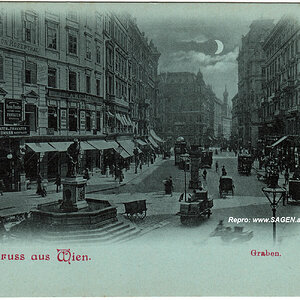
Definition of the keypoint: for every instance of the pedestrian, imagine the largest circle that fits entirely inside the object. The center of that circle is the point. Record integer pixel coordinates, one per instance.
(3, 230)
(171, 185)
(217, 167)
(204, 174)
(141, 165)
(224, 173)
(286, 177)
(121, 176)
(58, 182)
(166, 184)
(1, 187)
(86, 174)
(39, 184)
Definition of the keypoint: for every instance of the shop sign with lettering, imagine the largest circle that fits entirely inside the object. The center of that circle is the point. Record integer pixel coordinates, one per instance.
(93, 120)
(63, 119)
(14, 130)
(13, 111)
(73, 104)
(17, 45)
(82, 120)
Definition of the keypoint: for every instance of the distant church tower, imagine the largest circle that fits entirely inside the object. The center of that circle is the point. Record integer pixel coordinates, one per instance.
(225, 102)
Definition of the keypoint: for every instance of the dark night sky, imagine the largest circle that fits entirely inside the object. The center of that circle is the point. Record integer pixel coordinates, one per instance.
(185, 34)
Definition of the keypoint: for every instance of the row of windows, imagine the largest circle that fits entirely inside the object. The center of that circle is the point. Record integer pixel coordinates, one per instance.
(120, 37)
(275, 85)
(290, 102)
(31, 77)
(286, 54)
(281, 39)
(121, 89)
(30, 36)
(121, 64)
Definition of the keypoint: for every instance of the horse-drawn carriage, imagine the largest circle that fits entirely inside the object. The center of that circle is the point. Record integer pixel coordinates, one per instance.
(197, 205)
(226, 186)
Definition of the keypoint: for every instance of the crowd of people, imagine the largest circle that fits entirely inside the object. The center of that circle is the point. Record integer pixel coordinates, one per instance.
(113, 165)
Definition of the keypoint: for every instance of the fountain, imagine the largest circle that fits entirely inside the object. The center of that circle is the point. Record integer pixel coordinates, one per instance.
(74, 210)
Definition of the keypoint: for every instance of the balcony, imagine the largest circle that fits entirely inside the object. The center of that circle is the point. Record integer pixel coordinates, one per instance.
(288, 84)
(293, 109)
(121, 102)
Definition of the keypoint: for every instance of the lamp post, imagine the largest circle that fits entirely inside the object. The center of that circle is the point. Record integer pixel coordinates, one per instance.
(185, 158)
(11, 174)
(273, 191)
(136, 153)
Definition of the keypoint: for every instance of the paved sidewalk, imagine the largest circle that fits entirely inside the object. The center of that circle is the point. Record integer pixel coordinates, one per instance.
(18, 202)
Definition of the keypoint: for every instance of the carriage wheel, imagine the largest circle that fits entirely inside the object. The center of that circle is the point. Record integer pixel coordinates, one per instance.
(130, 216)
(142, 214)
(184, 220)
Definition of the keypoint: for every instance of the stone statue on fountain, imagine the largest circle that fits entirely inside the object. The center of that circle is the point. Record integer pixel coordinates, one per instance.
(73, 153)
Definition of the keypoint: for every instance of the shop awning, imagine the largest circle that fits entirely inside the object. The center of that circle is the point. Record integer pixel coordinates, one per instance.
(125, 120)
(60, 146)
(153, 142)
(279, 141)
(102, 145)
(128, 146)
(86, 146)
(124, 154)
(119, 118)
(154, 136)
(140, 142)
(109, 114)
(40, 147)
(128, 121)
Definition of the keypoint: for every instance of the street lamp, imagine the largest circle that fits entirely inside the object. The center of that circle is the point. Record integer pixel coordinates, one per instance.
(185, 158)
(136, 153)
(273, 191)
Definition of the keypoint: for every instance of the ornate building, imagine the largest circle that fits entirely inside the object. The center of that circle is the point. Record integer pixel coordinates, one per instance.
(250, 77)
(68, 74)
(280, 113)
(187, 108)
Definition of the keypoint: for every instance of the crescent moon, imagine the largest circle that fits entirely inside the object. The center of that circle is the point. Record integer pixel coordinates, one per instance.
(220, 47)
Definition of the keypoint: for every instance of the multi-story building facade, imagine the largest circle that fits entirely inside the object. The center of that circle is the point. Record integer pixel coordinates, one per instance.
(143, 75)
(226, 117)
(281, 102)
(250, 77)
(65, 75)
(235, 120)
(218, 126)
(187, 108)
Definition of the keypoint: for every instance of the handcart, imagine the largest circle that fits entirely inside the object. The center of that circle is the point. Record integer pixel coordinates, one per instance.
(135, 209)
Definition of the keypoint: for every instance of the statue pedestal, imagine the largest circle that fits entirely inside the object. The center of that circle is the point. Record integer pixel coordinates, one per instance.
(74, 194)
(195, 156)
(23, 183)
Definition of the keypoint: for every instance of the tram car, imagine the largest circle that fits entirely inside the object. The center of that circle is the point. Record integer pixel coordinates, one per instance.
(206, 159)
(179, 149)
(245, 162)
